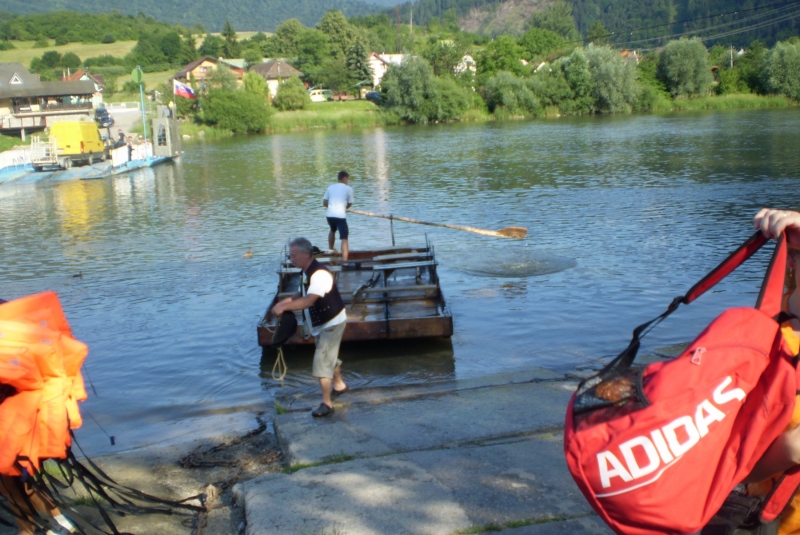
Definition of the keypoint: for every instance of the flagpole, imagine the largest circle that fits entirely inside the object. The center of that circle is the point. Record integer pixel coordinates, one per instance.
(144, 116)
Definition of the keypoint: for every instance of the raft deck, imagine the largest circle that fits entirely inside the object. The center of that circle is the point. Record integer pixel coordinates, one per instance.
(390, 293)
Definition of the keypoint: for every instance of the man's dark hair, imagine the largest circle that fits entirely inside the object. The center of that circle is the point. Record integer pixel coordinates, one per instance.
(343, 175)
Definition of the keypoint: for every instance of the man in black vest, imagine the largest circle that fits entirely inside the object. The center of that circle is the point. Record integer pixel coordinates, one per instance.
(328, 318)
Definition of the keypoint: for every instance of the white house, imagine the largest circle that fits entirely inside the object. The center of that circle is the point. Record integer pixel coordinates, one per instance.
(379, 64)
(274, 72)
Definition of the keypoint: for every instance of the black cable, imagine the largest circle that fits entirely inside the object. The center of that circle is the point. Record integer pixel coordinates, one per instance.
(783, 17)
(621, 33)
(706, 17)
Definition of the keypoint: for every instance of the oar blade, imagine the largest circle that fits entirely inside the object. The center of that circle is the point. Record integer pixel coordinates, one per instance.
(513, 232)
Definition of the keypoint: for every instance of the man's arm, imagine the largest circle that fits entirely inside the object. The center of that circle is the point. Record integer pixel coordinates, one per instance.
(325, 203)
(296, 302)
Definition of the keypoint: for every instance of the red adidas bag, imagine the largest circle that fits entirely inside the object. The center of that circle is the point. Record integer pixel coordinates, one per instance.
(658, 449)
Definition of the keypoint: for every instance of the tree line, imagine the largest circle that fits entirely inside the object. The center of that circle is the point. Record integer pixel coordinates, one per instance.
(546, 70)
(248, 14)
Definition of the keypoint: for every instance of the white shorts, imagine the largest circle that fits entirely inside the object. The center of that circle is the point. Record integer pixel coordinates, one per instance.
(326, 356)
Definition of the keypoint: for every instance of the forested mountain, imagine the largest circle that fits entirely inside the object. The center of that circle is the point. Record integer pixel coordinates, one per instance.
(633, 23)
(629, 23)
(636, 21)
(262, 15)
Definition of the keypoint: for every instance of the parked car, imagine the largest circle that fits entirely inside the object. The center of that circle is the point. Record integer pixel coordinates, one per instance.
(374, 96)
(320, 95)
(103, 118)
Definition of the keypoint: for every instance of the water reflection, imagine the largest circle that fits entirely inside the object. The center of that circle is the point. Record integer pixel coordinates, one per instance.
(399, 362)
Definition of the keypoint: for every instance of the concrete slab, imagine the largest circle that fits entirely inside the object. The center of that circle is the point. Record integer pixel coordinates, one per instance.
(430, 492)
(502, 483)
(363, 497)
(423, 422)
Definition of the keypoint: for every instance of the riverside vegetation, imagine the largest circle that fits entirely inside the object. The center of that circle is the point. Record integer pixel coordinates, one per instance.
(544, 71)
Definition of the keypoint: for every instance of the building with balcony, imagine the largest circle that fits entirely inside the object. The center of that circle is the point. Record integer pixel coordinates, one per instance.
(27, 104)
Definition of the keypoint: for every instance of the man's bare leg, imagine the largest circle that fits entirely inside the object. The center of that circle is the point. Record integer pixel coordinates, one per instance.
(338, 382)
(345, 250)
(331, 238)
(325, 386)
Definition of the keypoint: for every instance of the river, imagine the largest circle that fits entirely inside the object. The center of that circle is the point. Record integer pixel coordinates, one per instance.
(624, 213)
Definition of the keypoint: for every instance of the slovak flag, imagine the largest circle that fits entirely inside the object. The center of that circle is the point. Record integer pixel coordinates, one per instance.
(182, 90)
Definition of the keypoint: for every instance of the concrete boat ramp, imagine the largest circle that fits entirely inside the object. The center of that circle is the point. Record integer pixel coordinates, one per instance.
(468, 456)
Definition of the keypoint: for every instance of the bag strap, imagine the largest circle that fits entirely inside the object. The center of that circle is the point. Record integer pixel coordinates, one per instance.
(771, 294)
(780, 494)
(769, 300)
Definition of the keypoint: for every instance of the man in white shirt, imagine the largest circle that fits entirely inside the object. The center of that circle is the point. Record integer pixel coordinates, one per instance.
(337, 199)
(328, 319)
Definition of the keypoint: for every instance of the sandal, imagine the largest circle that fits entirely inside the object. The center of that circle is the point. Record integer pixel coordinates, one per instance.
(322, 410)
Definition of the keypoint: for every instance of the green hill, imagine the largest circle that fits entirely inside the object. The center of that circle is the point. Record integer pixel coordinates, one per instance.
(263, 15)
(632, 23)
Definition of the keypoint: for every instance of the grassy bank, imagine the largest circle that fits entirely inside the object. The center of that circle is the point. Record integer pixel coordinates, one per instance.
(9, 142)
(345, 114)
(364, 114)
(194, 130)
(725, 102)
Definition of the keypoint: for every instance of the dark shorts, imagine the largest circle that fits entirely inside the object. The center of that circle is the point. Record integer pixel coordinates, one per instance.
(339, 224)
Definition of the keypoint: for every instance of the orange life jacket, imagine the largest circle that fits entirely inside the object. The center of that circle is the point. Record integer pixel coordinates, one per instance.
(41, 361)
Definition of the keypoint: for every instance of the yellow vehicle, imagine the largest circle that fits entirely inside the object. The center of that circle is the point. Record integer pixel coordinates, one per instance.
(70, 141)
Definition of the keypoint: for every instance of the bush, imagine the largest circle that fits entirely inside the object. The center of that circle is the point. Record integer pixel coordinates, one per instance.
(51, 59)
(61, 40)
(292, 95)
(731, 82)
(453, 99)
(647, 69)
(581, 84)
(538, 41)
(506, 92)
(108, 39)
(781, 71)
(41, 43)
(683, 67)
(131, 87)
(70, 60)
(751, 66)
(614, 80)
(6, 45)
(237, 111)
(550, 86)
(502, 54)
(411, 91)
(256, 84)
(651, 99)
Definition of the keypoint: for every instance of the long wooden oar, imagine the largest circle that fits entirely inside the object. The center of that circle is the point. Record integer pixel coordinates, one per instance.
(507, 232)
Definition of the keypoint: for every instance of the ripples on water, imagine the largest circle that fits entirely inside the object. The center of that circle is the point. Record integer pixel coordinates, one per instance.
(623, 214)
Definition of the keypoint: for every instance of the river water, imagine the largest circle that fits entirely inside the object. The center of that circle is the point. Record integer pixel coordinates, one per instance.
(623, 212)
